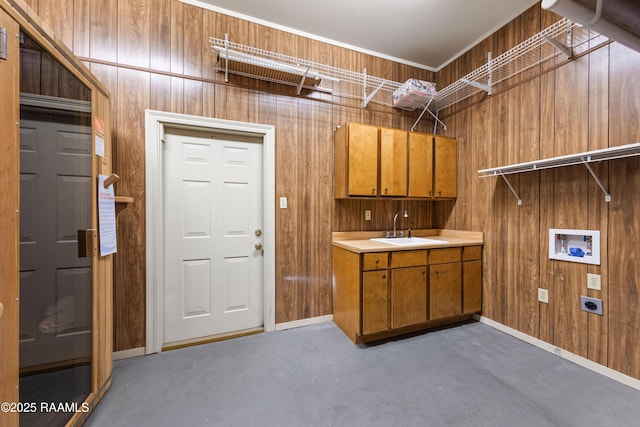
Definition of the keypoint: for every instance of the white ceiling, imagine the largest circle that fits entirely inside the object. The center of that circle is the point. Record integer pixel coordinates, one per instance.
(424, 33)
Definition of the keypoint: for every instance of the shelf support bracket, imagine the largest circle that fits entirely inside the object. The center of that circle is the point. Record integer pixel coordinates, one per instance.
(568, 52)
(490, 71)
(485, 87)
(477, 85)
(511, 188)
(372, 94)
(364, 87)
(607, 196)
(304, 77)
(226, 62)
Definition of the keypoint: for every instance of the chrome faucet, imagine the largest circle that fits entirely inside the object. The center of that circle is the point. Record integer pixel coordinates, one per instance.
(395, 218)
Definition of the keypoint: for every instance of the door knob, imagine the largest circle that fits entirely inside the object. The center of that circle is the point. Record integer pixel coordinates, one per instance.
(258, 246)
(258, 232)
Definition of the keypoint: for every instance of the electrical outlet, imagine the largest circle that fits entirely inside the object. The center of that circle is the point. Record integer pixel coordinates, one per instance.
(593, 282)
(367, 214)
(543, 295)
(591, 305)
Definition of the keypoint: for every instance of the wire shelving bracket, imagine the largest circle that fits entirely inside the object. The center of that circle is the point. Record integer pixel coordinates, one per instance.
(561, 38)
(586, 158)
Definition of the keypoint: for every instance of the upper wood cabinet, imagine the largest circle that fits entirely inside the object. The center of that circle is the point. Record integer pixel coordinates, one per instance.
(384, 162)
(444, 167)
(393, 162)
(420, 165)
(356, 160)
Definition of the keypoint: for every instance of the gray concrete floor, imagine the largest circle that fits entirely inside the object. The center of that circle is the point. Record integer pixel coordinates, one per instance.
(469, 375)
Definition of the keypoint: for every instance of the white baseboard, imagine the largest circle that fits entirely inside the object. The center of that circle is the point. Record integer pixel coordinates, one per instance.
(303, 322)
(126, 354)
(579, 360)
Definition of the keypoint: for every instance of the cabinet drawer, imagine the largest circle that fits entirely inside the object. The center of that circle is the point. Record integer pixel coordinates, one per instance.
(441, 256)
(408, 258)
(375, 261)
(471, 253)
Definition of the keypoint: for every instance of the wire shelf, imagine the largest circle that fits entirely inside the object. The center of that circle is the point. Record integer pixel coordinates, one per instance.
(234, 58)
(561, 38)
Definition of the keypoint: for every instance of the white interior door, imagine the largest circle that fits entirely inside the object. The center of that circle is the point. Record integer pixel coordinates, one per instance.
(55, 202)
(213, 262)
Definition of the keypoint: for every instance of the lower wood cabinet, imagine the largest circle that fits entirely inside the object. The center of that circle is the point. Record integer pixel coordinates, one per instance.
(381, 294)
(445, 283)
(375, 301)
(408, 288)
(472, 279)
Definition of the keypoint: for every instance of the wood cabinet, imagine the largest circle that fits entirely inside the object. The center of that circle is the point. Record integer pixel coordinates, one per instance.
(383, 162)
(393, 162)
(381, 294)
(420, 165)
(375, 292)
(444, 167)
(356, 160)
(375, 301)
(408, 288)
(472, 279)
(445, 283)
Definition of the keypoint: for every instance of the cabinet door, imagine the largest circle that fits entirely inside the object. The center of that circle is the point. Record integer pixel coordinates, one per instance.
(472, 286)
(408, 296)
(420, 165)
(445, 162)
(445, 290)
(393, 162)
(363, 160)
(375, 301)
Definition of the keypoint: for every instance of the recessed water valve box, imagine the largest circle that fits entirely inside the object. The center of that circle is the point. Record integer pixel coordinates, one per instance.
(591, 305)
(575, 245)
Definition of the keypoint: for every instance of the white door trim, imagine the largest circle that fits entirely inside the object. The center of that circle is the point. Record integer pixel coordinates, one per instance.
(155, 123)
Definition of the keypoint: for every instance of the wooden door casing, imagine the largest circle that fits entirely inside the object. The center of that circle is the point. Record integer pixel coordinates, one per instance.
(9, 218)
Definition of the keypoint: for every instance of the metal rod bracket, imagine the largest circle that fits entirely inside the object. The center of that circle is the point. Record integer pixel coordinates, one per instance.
(511, 188)
(607, 196)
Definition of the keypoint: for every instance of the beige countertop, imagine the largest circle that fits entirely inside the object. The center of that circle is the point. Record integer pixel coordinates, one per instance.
(359, 241)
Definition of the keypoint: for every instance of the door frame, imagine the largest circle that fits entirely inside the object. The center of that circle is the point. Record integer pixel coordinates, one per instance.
(155, 124)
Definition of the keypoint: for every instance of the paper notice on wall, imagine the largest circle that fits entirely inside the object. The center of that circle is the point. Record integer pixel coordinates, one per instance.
(98, 126)
(99, 146)
(106, 217)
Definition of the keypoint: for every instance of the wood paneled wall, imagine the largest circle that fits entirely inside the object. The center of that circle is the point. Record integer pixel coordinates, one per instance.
(587, 103)
(154, 54)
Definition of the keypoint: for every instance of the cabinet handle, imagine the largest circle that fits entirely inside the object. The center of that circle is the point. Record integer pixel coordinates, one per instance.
(377, 261)
(384, 276)
(373, 191)
(386, 190)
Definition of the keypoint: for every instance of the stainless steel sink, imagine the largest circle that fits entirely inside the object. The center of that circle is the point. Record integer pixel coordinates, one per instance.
(407, 241)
